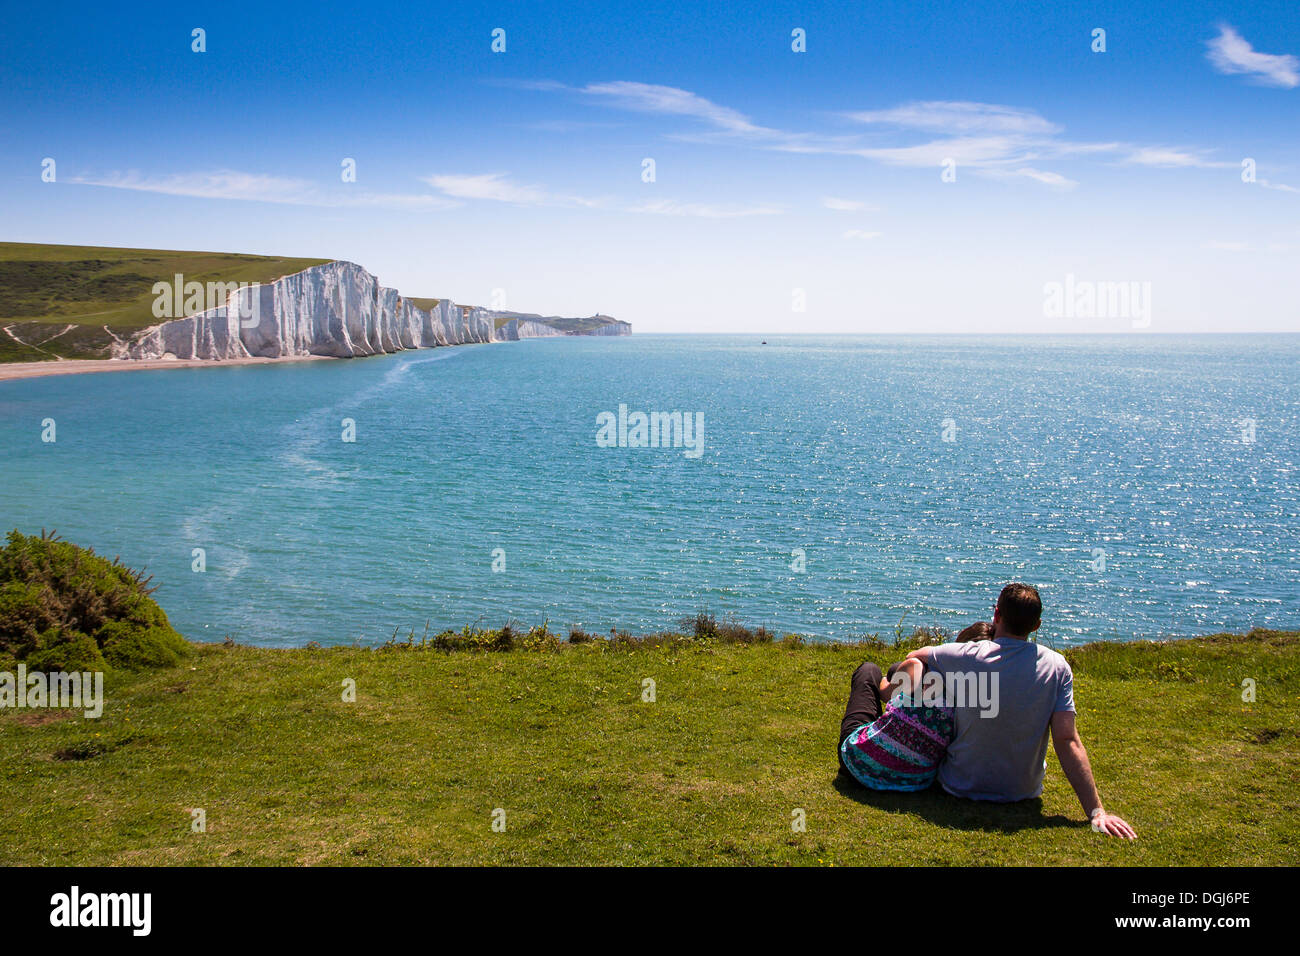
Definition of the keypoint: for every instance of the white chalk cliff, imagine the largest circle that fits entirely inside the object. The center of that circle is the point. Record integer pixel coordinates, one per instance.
(336, 309)
(525, 325)
(517, 329)
(612, 327)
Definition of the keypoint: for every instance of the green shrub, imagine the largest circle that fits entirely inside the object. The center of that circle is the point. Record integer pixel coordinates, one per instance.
(62, 650)
(66, 608)
(126, 644)
(507, 638)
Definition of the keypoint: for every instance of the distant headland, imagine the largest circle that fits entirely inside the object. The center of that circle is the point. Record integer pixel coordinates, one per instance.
(84, 304)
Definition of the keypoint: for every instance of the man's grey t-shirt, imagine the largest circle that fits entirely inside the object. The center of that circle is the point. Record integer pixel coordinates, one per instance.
(1003, 757)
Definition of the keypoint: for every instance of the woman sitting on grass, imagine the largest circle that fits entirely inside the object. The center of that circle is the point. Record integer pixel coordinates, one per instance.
(898, 749)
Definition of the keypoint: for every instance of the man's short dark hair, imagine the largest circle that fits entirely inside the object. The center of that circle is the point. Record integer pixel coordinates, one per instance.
(1020, 608)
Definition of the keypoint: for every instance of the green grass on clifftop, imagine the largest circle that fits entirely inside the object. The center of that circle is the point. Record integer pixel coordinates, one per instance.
(739, 738)
(71, 301)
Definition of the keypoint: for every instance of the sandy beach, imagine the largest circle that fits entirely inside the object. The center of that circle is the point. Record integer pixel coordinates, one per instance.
(12, 370)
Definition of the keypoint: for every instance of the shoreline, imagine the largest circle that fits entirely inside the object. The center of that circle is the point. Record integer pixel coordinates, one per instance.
(18, 370)
(12, 371)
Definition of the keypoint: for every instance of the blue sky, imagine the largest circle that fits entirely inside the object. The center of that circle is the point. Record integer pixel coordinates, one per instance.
(781, 177)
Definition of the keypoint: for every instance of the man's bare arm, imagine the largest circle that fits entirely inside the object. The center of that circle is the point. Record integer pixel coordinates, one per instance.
(1074, 762)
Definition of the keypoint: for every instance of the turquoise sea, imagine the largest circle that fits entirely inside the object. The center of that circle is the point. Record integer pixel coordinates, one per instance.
(1147, 484)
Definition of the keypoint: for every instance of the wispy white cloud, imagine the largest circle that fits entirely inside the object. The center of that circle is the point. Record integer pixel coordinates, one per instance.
(494, 186)
(257, 187)
(960, 116)
(998, 141)
(1055, 180)
(219, 184)
(1166, 158)
(1280, 187)
(983, 136)
(652, 98)
(861, 234)
(974, 135)
(499, 187)
(1230, 53)
(715, 122)
(973, 151)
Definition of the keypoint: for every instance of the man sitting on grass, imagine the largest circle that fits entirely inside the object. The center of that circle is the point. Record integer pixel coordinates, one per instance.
(1000, 753)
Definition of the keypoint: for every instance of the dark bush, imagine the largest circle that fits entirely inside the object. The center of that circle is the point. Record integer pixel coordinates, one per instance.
(706, 627)
(66, 608)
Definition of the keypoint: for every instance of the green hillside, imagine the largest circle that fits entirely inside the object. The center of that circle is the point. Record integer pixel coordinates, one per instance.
(70, 301)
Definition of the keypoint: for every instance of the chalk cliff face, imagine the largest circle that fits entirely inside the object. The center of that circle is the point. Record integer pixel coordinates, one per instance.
(529, 324)
(337, 309)
(614, 327)
(517, 329)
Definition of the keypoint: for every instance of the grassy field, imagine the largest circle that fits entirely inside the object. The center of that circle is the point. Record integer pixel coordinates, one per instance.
(738, 739)
(70, 301)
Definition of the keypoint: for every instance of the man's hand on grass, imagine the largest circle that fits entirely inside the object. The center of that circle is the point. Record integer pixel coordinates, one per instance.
(1074, 763)
(1112, 825)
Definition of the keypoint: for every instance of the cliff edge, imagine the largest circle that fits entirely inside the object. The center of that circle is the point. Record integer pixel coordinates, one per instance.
(338, 309)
